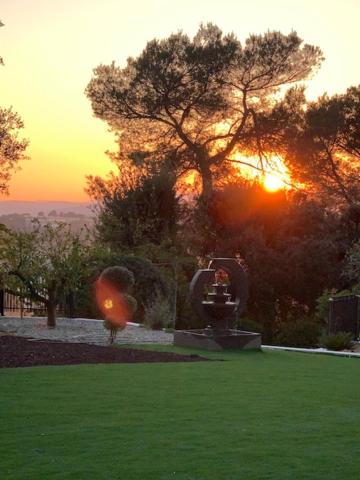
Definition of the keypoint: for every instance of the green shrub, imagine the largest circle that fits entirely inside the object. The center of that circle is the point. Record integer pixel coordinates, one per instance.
(250, 325)
(131, 303)
(148, 278)
(158, 314)
(303, 332)
(338, 341)
(120, 277)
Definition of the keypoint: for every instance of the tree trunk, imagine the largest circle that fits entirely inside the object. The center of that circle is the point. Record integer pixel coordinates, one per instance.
(207, 182)
(51, 313)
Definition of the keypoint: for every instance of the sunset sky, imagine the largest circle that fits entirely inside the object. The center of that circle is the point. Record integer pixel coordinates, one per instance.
(50, 48)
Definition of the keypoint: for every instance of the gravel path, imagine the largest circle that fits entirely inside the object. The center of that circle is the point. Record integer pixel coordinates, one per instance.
(80, 330)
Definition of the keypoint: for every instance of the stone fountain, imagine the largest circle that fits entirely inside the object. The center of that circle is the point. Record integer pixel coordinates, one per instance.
(222, 306)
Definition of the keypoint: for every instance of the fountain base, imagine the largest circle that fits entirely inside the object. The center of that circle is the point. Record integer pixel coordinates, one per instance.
(218, 340)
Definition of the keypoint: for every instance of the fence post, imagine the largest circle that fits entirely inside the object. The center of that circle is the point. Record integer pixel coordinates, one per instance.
(358, 318)
(331, 304)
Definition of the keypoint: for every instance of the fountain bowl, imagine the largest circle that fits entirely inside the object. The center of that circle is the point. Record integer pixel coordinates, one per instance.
(217, 340)
(219, 311)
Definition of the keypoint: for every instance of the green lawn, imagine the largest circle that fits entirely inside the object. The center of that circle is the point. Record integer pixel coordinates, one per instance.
(254, 416)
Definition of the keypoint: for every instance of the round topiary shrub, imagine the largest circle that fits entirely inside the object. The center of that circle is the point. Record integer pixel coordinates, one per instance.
(115, 303)
(149, 281)
(119, 277)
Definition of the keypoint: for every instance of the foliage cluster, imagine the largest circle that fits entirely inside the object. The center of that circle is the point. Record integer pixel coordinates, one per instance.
(119, 277)
(45, 264)
(149, 282)
(338, 341)
(301, 332)
(159, 314)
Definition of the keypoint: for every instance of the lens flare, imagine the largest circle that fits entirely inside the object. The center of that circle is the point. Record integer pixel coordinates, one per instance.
(111, 303)
(108, 304)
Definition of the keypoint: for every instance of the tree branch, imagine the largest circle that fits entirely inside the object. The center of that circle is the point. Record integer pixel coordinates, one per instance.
(235, 138)
(29, 286)
(336, 175)
(274, 173)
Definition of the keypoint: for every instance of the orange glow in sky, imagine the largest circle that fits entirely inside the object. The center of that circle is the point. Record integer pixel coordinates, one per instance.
(50, 48)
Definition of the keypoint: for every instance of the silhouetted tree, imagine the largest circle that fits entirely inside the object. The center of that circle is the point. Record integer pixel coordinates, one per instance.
(12, 148)
(319, 141)
(197, 98)
(144, 212)
(327, 150)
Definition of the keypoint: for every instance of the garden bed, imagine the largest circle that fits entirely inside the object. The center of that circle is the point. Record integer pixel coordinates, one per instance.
(27, 352)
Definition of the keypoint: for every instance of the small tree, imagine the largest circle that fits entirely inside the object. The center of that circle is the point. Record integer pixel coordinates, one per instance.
(45, 264)
(115, 302)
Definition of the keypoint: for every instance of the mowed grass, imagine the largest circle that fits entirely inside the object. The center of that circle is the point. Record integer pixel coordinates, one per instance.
(256, 415)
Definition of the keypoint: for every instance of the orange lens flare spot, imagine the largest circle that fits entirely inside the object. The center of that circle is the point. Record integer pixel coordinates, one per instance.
(112, 303)
(108, 304)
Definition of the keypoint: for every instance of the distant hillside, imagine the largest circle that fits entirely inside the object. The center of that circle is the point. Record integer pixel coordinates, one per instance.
(8, 207)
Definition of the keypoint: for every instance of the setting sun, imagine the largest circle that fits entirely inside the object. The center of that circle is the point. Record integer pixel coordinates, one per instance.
(272, 183)
(274, 176)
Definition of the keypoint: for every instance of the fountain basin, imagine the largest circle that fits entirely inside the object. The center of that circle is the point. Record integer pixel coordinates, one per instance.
(218, 297)
(219, 340)
(219, 311)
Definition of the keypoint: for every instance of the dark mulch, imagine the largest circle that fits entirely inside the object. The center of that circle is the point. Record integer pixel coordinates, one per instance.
(25, 352)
